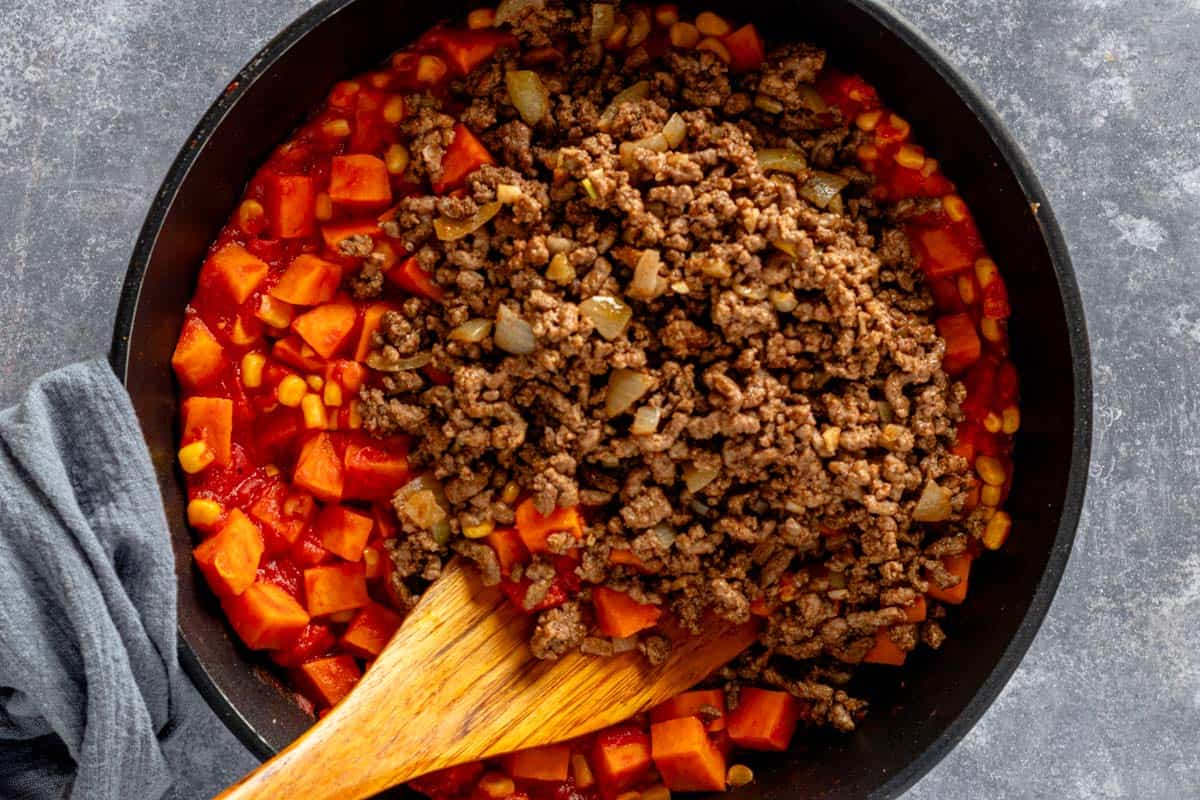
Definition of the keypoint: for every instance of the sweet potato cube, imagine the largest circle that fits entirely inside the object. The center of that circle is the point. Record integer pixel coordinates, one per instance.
(371, 319)
(686, 759)
(210, 419)
(370, 630)
(621, 757)
(917, 611)
(619, 615)
(884, 651)
(745, 48)
(236, 270)
(959, 565)
(319, 470)
(327, 680)
(198, 356)
(691, 704)
(963, 347)
(509, 549)
(291, 206)
(375, 469)
(360, 181)
(229, 558)
(466, 50)
(464, 155)
(941, 252)
(344, 532)
(331, 588)
(763, 720)
(326, 327)
(265, 616)
(410, 276)
(549, 763)
(295, 352)
(334, 233)
(283, 511)
(308, 281)
(350, 375)
(536, 528)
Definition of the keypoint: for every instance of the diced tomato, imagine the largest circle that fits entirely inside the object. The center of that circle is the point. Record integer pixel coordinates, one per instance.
(464, 155)
(307, 550)
(763, 720)
(278, 430)
(995, 300)
(284, 573)
(849, 94)
(449, 782)
(619, 615)
(467, 49)
(290, 206)
(745, 48)
(314, 641)
(621, 757)
(410, 276)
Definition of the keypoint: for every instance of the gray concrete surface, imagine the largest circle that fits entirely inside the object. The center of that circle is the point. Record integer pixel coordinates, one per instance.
(96, 97)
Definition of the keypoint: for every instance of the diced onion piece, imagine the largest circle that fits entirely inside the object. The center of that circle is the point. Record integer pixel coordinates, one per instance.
(560, 270)
(450, 229)
(508, 193)
(822, 187)
(768, 104)
(755, 293)
(645, 421)
(782, 159)
(624, 645)
(625, 387)
(528, 95)
(675, 131)
(697, 477)
(664, 533)
(378, 363)
(933, 505)
(647, 284)
(423, 501)
(508, 10)
(638, 91)
(472, 331)
(513, 334)
(604, 19)
(608, 314)
(811, 99)
(655, 141)
(786, 247)
(785, 302)
(558, 244)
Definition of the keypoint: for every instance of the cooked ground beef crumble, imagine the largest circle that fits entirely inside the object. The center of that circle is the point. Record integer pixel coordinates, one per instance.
(759, 429)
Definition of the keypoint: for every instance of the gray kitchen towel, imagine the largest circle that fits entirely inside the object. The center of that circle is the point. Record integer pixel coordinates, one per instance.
(88, 668)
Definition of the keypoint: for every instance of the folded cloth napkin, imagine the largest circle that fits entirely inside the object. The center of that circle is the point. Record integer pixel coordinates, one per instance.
(88, 668)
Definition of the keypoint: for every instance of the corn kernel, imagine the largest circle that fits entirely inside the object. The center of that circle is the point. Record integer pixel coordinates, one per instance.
(333, 395)
(739, 775)
(986, 272)
(954, 207)
(631, 795)
(931, 166)
(639, 28)
(195, 457)
(271, 470)
(581, 771)
(496, 785)
(966, 289)
(242, 334)
(323, 207)
(430, 69)
(481, 18)
(336, 128)
(996, 532)
(355, 417)
(900, 125)
(204, 513)
(252, 370)
(991, 330)
(768, 104)
(684, 34)
(371, 561)
(666, 14)
(616, 39)
(867, 120)
(992, 422)
(275, 313)
(314, 412)
(479, 531)
(711, 24)
(990, 495)
(380, 80)
(343, 616)
(291, 391)
(716, 46)
(867, 152)
(396, 158)
(342, 95)
(1011, 420)
(991, 470)
(393, 109)
(656, 792)
(510, 494)
(910, 156)
(251, 216)
(315, 382)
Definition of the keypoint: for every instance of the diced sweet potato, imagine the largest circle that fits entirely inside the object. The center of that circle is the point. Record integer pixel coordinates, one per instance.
(619, 615)
(199, 357)
(745, 49)
(229, 558)
(236, 270)
(350, 375)
(283, 511)
(917, 611)
(691, 704)
(464, 155)
(467, 49)
(295, 352)
(624, 558)
(359, 181)
(763, 720)
(686, 759)
(370, 630)
(335, 232)
(963, 347)
(319, 470)
(331, 588)
(326, 327)
(265, 616)
(536, 528)
(549, 763)
(884, 651)
(374, 470)
(371, 318)
(959, 565)
(308, 281)
(940, 252)
(209, 419)
(509, 549)
(344, 532)
(325, 681)
(410, 276)
(620, 757)
(291, 206)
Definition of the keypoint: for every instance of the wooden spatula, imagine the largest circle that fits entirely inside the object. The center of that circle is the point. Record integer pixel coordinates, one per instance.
(458, 683)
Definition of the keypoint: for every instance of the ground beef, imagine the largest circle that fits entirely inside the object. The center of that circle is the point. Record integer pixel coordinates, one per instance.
(792, 405)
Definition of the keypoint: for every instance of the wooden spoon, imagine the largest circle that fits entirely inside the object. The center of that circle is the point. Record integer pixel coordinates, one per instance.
(458, 683)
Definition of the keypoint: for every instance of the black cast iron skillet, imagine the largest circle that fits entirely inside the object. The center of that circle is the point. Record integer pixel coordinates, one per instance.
(918, 713)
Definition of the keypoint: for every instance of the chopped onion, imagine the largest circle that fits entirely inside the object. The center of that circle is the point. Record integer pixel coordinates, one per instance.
(638, 91)
(624, 645)
(558, 244)
(528, 95)
(822, 187)
(560, 270)
(755, 293)
(697, 477)
(508, 193)
(645, 421)
(811, 99)
(380, 364)
(608, 314)
(784, 302)
(675, 131)
(508, 10)
(472, 331)
(933, 505)
(768, 104)
(782, 159)
(625, 387)
(424, 502)
(647, 284)
(680, 287)
(450, 229)
(786, 247)
(604, 19)
(513, 334)
(664, 533)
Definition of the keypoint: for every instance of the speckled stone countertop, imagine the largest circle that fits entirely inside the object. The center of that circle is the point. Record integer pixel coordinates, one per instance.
(97, 97)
